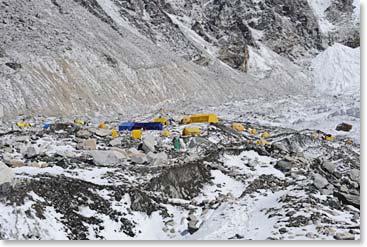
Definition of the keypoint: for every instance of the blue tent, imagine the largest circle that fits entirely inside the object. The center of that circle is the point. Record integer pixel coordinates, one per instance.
(126, 126)
(47, 126)
(148, 126)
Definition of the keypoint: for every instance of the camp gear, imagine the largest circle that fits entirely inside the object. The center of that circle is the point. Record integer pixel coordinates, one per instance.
(329, 138)
(46, 126)
(163, 121)
(314, 136)
(79, 121)
(114, 134)
(136, 134)
(204, 118)
(265, 135)
(165, 133)
(262, 142)
(192, 131)
(176, 144)
(185, 120)
(252, 131)
(148, 126)
(22, 125)
(102, 126)
(238, 127)
(126, 126)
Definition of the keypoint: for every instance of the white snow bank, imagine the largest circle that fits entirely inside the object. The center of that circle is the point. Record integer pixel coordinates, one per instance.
(319, 7)
(336, 71)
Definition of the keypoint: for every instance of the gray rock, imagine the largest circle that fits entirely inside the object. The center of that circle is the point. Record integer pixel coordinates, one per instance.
(319, 181)
(284, 165)
(148, 144)
(115, 142)
(6, 174)
(344, 236)
(89, 144)
(107, 157)
(355, 175)
(102, 132)
(85, 134)
(157, 159)
(136, 156)
(329, 166)
(30, 152)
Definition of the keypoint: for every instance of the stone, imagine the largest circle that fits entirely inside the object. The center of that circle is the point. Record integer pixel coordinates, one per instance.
(6, 174)
(157, 159)
(344, 236)
(329, 166)
(284, 166)
(89, 144)
(354, 175)
(102, 132)
(16, 163)
(30, 152)
(344, 127)
(283, 230)
(115, 142)
(136, 156)
(148, 144)
(107, 157)
(319, 181)
(40, 164)
(83, 133)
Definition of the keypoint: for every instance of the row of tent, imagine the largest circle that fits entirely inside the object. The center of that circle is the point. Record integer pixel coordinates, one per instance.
(158, 123)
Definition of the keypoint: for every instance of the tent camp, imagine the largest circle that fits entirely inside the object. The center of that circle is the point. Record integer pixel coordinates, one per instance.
(126, 126)
(204, 118)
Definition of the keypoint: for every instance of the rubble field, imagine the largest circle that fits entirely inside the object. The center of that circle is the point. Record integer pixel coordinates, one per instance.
(75, 182)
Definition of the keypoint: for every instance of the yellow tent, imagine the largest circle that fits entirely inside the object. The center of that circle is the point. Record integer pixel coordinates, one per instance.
(252, 131)
(193, 131)
(166, 133)
(136, 134)
(329, 138)
(21, 124)
(238, 127)
(79, 121)
(185, 120)
(163, 121)
(114, 134)
(204, 118)
(265, 135)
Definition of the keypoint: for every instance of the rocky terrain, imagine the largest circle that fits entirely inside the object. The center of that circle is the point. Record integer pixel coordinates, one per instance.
(75, 182)
(287, 68)
(121, 56)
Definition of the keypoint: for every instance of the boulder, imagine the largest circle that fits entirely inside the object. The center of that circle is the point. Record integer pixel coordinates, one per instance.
(89, 144)
(30, 152)
(148, 144)
(115, 142)
(136, 156)
(355, 175)
(40, 164)
(319, 181)
(344, 236)
(329, 166)
(16, 163)
(102, 132)
(84, 133)
(107, 157)
(344, 127)
(284, 166)
(6, 174)
(157, 159)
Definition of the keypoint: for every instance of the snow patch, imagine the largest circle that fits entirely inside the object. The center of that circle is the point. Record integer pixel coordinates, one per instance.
(336, 71)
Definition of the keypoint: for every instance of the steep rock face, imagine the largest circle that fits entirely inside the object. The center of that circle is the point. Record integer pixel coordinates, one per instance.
(121, 56)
